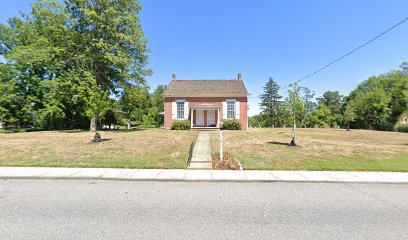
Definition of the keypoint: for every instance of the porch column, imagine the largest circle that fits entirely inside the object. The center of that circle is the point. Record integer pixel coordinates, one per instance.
(218, 118)
(191, 115)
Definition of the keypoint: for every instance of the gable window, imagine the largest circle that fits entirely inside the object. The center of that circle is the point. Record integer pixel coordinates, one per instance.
(180, 110)
(231, 109)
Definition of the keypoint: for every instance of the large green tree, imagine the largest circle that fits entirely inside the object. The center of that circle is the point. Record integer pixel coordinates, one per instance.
(61, 54)
(271, 103)
(380, 100)
(112, 41)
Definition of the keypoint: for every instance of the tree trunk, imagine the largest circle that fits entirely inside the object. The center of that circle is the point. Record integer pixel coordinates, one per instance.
(92, 126)
(293, 142)
(348, 126)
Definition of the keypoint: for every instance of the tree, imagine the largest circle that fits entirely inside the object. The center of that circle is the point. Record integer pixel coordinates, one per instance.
(333, 100)
(308, 95)
(349, 114)
(57, 47)
(112, 42)
(157, 102)
(135, 103)
(296, 105)
(270, 102)
(319, 116)
(380, 100)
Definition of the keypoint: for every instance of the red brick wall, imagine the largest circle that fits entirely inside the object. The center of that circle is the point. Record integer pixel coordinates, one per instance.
(210, 100)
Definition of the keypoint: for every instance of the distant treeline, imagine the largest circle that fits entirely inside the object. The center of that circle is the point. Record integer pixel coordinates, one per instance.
(380, 102)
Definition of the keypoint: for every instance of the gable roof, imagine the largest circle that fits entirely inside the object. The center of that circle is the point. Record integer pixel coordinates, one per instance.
(206, 88)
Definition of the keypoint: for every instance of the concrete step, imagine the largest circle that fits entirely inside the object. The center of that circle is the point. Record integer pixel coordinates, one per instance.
(195, 165)
(201, 159)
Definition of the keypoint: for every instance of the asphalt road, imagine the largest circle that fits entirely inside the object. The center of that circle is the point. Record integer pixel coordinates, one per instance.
(80, 209)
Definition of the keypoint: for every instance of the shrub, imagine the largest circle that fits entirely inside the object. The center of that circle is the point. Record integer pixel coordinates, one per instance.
(401, 128)
(228, 162)
(231, 124)
(181, 125)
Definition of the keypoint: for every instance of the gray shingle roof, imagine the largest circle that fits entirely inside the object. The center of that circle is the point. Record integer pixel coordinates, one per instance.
(206, 88)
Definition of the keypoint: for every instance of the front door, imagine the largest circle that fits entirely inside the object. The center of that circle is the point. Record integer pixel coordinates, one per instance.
(200, 118)
(210, 118)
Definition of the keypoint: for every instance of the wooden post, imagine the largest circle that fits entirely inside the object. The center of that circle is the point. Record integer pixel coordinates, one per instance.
(221, 150)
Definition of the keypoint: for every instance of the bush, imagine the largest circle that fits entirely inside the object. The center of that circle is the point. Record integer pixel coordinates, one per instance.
(228, 162)
(181, 125)
(401, 128)
(231, 124)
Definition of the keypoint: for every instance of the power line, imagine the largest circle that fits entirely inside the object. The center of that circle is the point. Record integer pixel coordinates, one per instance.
(349, 53)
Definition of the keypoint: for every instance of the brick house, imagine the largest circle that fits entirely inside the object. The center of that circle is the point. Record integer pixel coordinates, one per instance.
(206, 102)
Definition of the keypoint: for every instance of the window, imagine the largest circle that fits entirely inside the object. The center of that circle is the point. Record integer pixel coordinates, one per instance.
(230, 109)
(180, 110)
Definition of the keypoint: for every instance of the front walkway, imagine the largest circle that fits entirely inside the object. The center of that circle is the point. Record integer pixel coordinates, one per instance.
(201, 175)
(201, 158)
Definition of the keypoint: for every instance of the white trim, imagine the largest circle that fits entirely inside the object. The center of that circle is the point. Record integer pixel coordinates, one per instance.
(224, 110)
(218, 118)
(186, 110)
(237, 111)
(192, 117)
(173, 110)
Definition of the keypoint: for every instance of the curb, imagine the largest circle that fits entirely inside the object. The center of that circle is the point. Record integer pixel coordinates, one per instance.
(188, 175)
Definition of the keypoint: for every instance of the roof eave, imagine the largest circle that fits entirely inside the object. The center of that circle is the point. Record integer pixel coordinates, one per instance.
(207, 95)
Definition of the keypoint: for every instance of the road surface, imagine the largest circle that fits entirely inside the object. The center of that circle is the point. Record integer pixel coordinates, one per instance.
(84, 209)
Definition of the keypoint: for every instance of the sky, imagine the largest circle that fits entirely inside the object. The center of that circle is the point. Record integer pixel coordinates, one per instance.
(286, 40)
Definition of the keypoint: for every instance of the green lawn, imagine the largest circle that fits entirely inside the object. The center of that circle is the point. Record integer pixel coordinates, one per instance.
(319, 149)
(145, 148)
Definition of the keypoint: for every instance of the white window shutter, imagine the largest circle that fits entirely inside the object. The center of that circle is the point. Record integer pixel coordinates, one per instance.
(186, 110)
(173, 110)
(237, 110)
(224, 110)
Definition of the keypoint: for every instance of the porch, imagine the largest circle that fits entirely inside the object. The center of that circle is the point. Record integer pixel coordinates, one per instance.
(205, 116)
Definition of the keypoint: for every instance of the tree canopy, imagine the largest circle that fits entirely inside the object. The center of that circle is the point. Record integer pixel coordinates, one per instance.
(68, 62)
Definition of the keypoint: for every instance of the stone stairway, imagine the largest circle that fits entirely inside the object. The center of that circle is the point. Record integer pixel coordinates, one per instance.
(201, 158)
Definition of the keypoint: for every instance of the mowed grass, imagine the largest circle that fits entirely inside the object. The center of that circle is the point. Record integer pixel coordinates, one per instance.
(145, 148)
(319, 149)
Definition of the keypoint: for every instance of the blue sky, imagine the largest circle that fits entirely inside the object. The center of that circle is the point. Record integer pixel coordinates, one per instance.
(286, 40)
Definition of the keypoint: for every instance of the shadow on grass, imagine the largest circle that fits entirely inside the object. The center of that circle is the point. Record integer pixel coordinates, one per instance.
(279, 143)
(123, 130)
(102, 140)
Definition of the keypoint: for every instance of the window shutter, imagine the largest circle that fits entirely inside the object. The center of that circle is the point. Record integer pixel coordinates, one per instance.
(186, 110)
(173, 110)
(237, 110)
(224, 110)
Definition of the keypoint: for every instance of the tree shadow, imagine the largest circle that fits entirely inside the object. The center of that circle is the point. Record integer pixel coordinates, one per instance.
(279, 143)
(102, 140)
(122, 130)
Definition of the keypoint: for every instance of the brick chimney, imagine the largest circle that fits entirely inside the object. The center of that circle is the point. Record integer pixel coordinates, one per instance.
(173, 77)
(239, 77)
